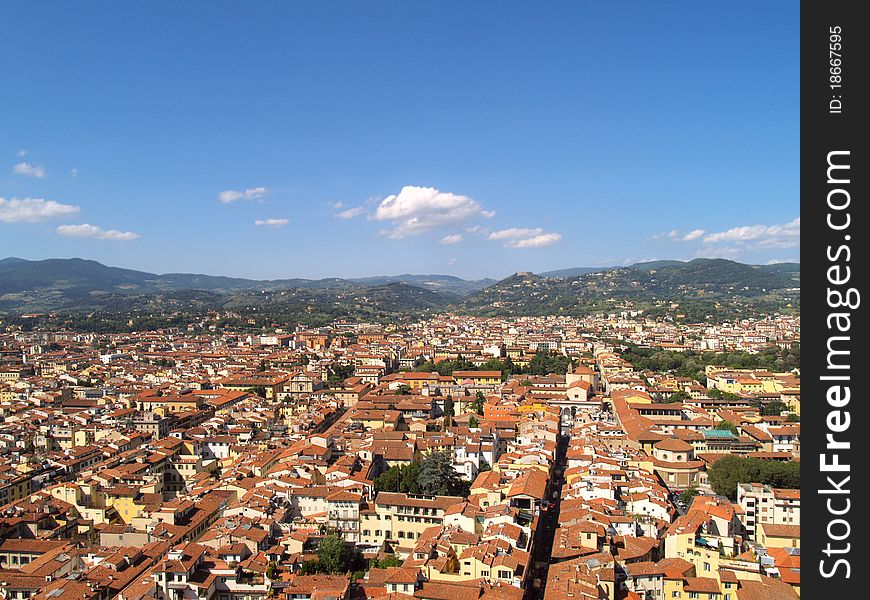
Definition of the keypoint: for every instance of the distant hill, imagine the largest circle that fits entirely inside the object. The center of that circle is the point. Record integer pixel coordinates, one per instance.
(574, 272)
(693, 290)
(75, 282)
(436, 283)
(76, 275)
(708, 285)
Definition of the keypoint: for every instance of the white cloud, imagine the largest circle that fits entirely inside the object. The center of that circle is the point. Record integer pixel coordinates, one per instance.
(451, 262)
(74, 172)
(453, 238)
(538, 241)
(756, 237)
(675, 235)
(228, 196)
(523, 237)
(350, 213)
(92, 231)
(477, 230)
(514, 233)
(417, 209)
(31, 170)
(271, 222)
(22, 153)
(33, 209)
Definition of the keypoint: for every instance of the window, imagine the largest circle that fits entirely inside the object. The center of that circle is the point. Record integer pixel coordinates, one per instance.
(706, 566)
(693, 595)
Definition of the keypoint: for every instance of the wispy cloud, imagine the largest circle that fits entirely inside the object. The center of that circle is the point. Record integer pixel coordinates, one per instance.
(271, 222)
(92, 231)
(537, 241)
(350, 213)
(675, 235)
(786, 235)
(453, 238)
(415, 210)
(477, 230)
(33, 209)
(74, 172)
(29, 169)
(22, 153)
(522, 237)
(228, 196)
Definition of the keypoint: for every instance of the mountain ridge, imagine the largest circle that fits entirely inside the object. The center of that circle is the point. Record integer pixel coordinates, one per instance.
(700, 287)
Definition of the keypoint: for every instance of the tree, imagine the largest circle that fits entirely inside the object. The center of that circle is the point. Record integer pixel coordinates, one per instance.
(688, 494)
(472, 421)
(385, 563)
(448, 406)
(727, 425)
(773, 408)
(793, 418)
(718, 394)
(404, 390)
(259, 390)
(545, 362)
(728, 471)
(680, 396)
(262, 366)
(477, 404)
(272, 569)
(399, 479)
(484, 466)
(339, 372)
(333, 555)
(438, 477)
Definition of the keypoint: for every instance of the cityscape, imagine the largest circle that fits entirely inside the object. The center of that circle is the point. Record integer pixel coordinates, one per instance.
(402, 301)
(526, 458)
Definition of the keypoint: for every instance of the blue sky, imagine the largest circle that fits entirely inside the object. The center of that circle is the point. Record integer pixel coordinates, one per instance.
(307, 139)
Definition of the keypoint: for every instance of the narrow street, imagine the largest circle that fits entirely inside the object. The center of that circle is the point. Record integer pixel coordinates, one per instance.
(548, 522)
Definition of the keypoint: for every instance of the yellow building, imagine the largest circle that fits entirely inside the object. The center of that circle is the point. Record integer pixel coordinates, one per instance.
(778, 536)
(401, 518)
(477, 378)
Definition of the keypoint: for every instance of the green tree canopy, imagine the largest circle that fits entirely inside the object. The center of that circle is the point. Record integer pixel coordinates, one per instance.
(727, 425)
(728, 471)
(773, 408)
(688, 494)
(438, 477)
(333, 554)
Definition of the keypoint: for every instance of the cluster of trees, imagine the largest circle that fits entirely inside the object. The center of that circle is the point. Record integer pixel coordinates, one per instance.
(339, 372)
(258, 390)
(335, 556)
(728, 471)
(727, 425)
(543, 363)
(476, 405)
(692, 364)
(433, 475)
